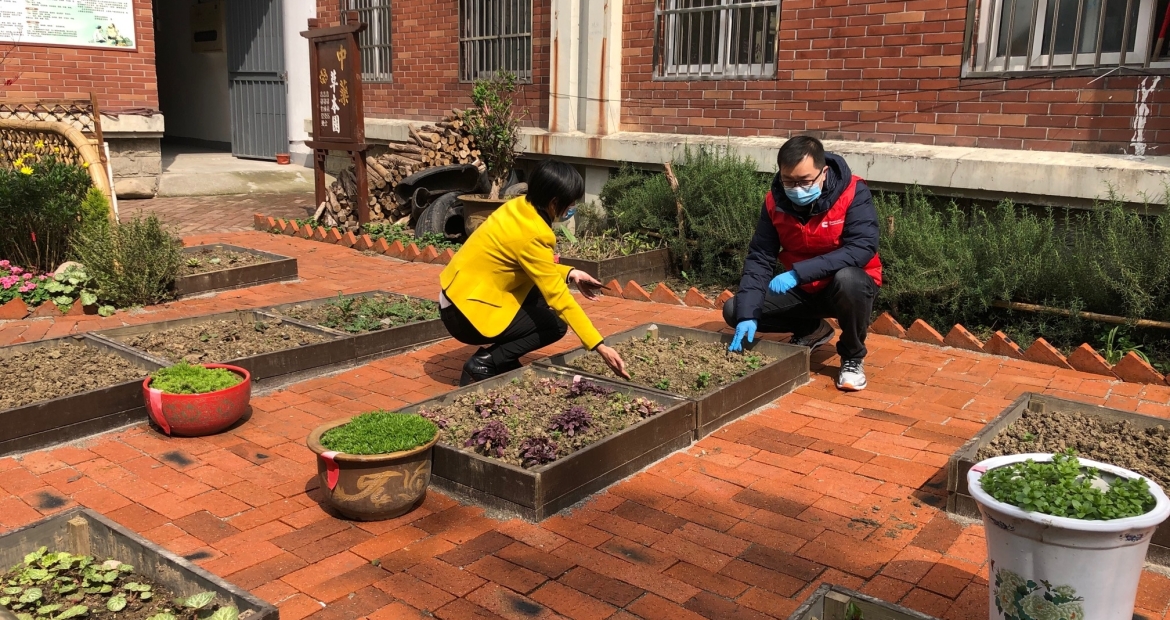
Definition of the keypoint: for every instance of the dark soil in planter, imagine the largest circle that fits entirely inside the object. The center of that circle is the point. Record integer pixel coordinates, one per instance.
(44, 374)
(528, 407)
(65, 588)
(1120, 443)
(359, 315)
(223, 340)
(217, 258)
(678, 365)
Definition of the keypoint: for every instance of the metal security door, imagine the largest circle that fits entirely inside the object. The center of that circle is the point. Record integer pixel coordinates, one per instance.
(256, 78)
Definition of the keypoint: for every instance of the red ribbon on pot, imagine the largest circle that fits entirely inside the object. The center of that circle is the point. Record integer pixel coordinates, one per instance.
(155, 409)
(332, 471)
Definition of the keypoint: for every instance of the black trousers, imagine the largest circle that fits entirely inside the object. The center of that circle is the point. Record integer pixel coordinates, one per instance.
(848, 298)
(535, 326)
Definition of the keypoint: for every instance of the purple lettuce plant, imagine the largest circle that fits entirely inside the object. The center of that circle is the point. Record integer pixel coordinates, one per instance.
(492, 405)
(537, 451)
(434, 416)
(489, 439)
(572, 421)
(585, 387)
(646, 408)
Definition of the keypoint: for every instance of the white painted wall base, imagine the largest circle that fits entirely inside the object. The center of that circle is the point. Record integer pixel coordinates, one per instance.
(1032, 177)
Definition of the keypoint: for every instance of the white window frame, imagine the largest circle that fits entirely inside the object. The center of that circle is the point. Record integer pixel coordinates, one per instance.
(987, 43)
(720, 67)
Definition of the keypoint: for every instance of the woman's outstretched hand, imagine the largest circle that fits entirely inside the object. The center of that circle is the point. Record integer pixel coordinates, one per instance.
(587, 284)
(613, 360)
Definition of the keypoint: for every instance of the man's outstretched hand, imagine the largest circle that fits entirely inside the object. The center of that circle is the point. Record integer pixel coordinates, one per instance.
(745, 328)
(783, 283)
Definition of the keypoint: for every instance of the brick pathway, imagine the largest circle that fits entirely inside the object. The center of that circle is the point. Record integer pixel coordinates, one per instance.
(820, 486)
(207, 214)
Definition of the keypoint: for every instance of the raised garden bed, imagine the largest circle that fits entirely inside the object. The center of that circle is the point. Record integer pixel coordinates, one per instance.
(539, 491)
(652, 266)
(237, 268)
(1038, 423)
(830, 602)
(377, 322)
(62, 389)
(86, 533)
(721, 396)
(266, 345)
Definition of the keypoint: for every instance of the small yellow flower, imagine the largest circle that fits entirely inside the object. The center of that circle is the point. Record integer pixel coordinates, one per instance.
(26, 170)
(39, 144)
(18, 163)
(56, 149)
(85, 164)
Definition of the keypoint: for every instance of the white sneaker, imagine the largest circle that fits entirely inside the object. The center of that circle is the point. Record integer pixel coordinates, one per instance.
(852, 377)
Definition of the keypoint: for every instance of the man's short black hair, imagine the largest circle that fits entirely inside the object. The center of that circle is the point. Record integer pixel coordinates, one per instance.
(557, 180)
(796, 149)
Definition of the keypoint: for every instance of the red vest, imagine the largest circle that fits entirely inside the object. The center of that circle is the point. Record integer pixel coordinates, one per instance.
(820, 235)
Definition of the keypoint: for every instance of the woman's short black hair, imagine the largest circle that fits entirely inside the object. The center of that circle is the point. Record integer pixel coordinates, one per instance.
(796, 149)
(554, 179)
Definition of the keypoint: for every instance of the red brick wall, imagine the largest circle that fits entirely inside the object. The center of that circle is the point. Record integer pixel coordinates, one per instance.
(425, 65)
(885, 71)
(121, 79)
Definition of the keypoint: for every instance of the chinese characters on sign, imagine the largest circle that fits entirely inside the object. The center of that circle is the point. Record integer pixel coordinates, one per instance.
(76, 23)
(335, 114)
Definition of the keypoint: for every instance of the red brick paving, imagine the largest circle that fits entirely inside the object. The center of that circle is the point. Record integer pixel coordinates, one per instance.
(195, 215)
(820, 486)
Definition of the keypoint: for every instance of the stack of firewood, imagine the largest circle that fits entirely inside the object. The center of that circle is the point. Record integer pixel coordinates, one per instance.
(441, 144)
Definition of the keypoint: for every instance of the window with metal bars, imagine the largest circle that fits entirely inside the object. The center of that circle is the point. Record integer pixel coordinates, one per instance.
(375, 39)
(715, 39)
(1039, 36)
(495, 36)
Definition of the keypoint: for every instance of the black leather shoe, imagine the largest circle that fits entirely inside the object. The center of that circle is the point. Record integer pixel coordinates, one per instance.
(477, 368)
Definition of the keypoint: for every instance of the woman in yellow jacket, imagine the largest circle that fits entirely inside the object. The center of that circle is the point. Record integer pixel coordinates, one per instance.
(503, 289)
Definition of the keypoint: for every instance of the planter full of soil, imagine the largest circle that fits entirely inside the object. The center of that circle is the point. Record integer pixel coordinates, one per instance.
(193, 401)
(1039, 423)
(641, 267)
(378, 322)
(221, 267)
(477, 208)
(376, 465)
(535, 441)
(830, 602)
(695, 364)
(267, 346)
(1066, 537)
(143, 579)
(63, 389)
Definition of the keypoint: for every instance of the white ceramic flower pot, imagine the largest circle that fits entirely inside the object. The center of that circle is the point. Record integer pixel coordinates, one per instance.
(1056, 568)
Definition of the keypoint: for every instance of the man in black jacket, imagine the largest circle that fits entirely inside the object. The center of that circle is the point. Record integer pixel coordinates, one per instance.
(820, 224)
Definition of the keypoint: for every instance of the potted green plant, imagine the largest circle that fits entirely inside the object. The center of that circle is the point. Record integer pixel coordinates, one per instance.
(496, 130)
(192, 401)
(376, 465)
(1066, 537)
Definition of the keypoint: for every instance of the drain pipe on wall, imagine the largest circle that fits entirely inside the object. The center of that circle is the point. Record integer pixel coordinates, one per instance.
(110, 173)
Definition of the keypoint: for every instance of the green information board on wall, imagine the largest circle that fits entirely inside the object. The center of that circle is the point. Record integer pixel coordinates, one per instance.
(72, 23)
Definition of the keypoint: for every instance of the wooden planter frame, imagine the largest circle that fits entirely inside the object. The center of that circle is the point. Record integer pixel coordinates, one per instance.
(728, 402)
(66, 418)
(652, 266)
(277, 269)
(540, 492)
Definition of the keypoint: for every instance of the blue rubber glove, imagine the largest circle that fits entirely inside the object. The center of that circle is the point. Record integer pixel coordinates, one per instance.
(783, 283)
(745, 328)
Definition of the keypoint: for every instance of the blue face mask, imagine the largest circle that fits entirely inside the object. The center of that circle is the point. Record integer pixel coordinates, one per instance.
(803, 195)
(568, 214)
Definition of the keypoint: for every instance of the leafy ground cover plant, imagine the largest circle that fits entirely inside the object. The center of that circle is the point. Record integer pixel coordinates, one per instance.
(58, 585)
(380, 432)
(678, 365)
(396, 232)
(608, 244)
(183, 378)
(532, 421)
(364, 313)
(1064, 488)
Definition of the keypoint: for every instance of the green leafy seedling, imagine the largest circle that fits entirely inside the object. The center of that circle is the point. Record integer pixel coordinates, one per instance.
(663, 384)
(116, 603)
(225, 613)
(72, 612)
(196, 601)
